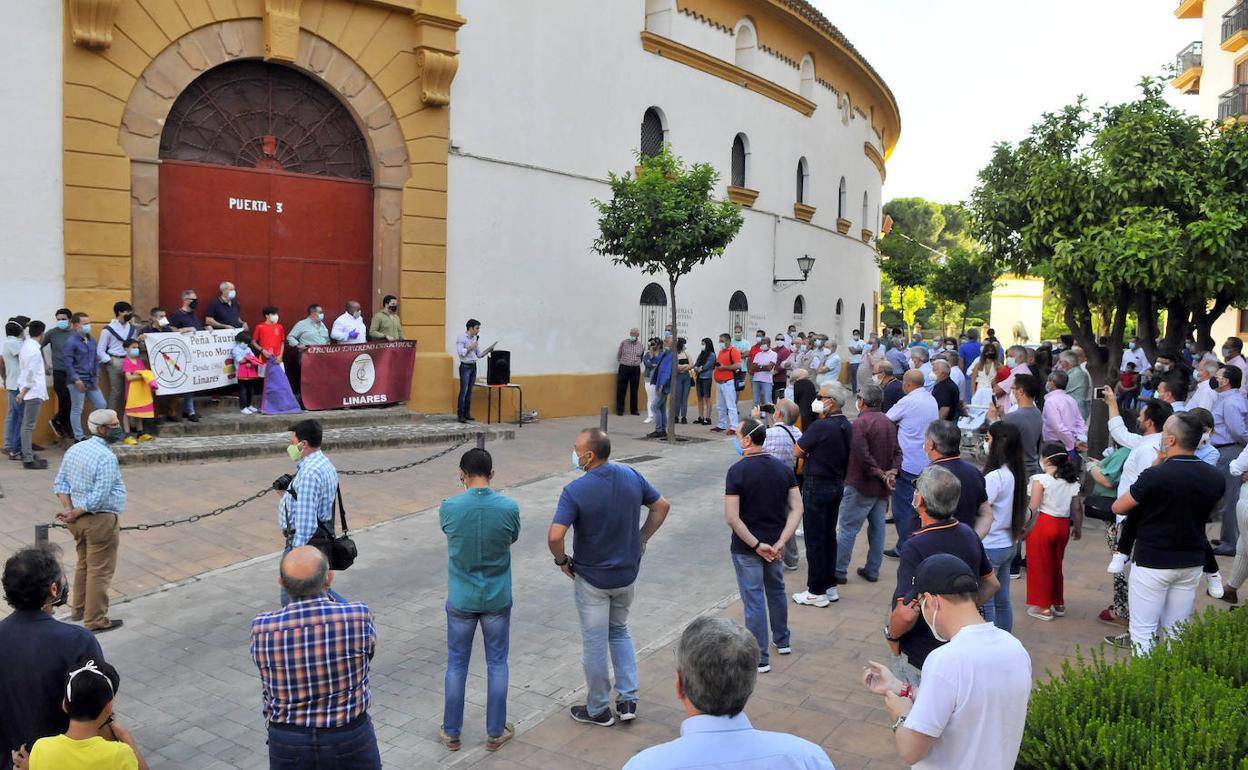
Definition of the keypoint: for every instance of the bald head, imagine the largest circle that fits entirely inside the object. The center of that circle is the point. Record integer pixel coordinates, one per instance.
(912, 379)
(305, 573)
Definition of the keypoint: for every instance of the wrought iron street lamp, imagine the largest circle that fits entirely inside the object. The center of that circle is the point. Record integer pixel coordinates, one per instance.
(805, 264)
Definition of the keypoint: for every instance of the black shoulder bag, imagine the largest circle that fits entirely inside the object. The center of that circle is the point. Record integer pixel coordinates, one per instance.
(339, 550)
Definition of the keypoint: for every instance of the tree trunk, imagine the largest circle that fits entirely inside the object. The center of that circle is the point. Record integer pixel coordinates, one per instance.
(671, 386)
(1102, 370)
(1146, 323)
(1177, 320)
(1204, 319)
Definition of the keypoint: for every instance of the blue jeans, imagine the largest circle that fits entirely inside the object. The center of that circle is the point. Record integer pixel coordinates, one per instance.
(76, 399)
(761, 584)
(855, 509)
(684, 383)
(188, 404)
(761, 392)
(467, 378)
(905, 518)
(13, 424)
(343, 748)
(461, 627)
(604, 626)
(998, 610)
(821, 502)
(660, 410)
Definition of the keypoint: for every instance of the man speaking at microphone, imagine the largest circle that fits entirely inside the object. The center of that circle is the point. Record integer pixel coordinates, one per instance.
(468, 348)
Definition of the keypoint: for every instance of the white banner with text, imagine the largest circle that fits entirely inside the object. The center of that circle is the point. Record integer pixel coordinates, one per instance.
(188, 362)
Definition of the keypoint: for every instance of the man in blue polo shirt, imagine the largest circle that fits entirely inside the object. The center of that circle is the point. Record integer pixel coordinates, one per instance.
(604, 507)
(936, 499)
(480, 526)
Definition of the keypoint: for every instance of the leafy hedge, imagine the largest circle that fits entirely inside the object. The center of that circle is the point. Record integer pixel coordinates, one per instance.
(1184, 706)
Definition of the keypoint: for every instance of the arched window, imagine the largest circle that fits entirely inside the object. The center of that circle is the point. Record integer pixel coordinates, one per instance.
(866, 209)
(747, 44)
(799, 308)
(842, 200)
(653, 132)
(806, 83)
(862, 320)
(840, 308)
(653, 311)
(803, 180)
(740, 160)
(738, 311)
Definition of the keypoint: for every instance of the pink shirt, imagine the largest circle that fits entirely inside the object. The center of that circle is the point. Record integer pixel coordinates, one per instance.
(1062, 421)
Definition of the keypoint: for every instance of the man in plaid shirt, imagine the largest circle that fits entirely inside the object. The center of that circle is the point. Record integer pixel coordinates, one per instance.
(313, 656)
(309, 497)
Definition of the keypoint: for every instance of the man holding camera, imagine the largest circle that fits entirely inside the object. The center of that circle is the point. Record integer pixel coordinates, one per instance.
(308, 496)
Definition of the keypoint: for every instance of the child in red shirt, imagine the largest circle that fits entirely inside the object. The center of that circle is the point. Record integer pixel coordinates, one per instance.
(270, 335)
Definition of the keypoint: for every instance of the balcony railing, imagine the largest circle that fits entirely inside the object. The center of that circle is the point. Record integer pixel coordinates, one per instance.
(1233, 103)
(1188, 58)
(1234, 22)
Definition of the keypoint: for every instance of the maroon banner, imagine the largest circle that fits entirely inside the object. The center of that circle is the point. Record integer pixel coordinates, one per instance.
(342, 376)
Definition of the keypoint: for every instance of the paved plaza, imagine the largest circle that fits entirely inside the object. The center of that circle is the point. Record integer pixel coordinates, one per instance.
(191, 695)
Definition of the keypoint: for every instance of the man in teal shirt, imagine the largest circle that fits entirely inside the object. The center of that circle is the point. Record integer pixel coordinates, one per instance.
(480, 526)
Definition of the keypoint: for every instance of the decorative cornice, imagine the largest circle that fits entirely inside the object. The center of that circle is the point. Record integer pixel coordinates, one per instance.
(803, 212)
(875, 157)
(692, 57)
(281, 30)
(437, 70)
(707, 21)
(867, 234)
(843, 225)
(742, 195)
(91, 22)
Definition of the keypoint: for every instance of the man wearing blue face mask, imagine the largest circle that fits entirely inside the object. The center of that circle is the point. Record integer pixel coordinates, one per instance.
(82, 370)
(307, 498)
(53, 339)
(603, 507)
(763, 506)
(308, 331)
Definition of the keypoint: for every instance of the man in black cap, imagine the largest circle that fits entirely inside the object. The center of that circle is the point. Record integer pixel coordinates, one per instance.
(936, 496)
(974, 704)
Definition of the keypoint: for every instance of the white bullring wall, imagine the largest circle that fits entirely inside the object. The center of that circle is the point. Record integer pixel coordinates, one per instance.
(533, 140)
(32, 260)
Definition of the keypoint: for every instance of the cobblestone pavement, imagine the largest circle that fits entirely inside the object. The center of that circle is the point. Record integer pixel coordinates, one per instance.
(191, 694)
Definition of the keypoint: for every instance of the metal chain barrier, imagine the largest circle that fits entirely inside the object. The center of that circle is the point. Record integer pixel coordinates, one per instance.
(41, 530)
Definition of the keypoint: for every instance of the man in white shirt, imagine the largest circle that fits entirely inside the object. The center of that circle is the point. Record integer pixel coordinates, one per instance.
(32, 391)
(1233, 355)
(912, 414)
(716, 663)
(111, 350)
(1134, 355)
(762, 372)
(829, 370)
(856, 348)
(920, 358)
(1203, 396)
(972, 706)
(349, 327)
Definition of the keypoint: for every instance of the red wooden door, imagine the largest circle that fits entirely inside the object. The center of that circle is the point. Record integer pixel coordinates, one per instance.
(283, 239)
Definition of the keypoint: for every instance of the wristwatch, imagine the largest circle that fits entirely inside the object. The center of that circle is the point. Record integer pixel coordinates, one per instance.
(890, 638)
(563, 561)
(901, 720)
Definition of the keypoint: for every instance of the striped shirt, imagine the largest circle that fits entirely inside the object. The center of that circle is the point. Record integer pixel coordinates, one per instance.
(315, 488)
(90, 475)
(313, 656)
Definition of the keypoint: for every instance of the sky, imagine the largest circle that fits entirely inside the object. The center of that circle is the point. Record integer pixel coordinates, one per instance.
(970, 73)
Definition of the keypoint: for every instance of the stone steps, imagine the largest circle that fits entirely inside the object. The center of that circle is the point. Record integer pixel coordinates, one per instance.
(228, 421)
(395, 433)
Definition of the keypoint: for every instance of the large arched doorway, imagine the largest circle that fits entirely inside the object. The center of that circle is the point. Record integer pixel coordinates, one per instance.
(265, 181)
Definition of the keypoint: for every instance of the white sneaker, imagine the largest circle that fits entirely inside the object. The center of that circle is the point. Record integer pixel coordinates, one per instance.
(255, 410)
(648, 420)
(245, 410)
(832, 595)
(814, 600)
(785, 650)
(1215, 584)
(765, 668)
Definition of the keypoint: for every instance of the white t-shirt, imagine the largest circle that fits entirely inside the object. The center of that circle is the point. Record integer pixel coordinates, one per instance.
(1000, 484)
(1057, 495)
(973, 700)
(762, 358)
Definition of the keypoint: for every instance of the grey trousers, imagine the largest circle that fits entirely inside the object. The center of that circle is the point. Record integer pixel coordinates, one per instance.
(116, 386)
(30, 416)
(1230, 526)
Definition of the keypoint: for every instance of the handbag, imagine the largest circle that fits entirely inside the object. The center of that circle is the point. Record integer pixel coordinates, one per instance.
(1099, 507)
(340, 550)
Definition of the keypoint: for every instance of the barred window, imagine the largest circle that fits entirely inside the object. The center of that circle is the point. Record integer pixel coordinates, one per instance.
(652, 133)
(803, 180)
(739, 153)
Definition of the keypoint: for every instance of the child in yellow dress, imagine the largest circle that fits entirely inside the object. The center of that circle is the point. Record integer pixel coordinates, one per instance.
(140, 402)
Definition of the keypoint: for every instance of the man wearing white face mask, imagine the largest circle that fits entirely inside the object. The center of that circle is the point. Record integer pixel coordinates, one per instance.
(1133, 354)
(972, 711)
(762, 371)
(349, 327)
(1204, 395)
(224, 312)
(603, 507)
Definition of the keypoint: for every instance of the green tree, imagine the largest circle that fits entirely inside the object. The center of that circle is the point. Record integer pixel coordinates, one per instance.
(664, 220)
(961, 278)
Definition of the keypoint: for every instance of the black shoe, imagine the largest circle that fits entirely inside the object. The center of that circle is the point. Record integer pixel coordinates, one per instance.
(840, 581)
(862, 573)
(656, 434)
(619, 414)
(192, 417)
(684, 420)
(15, 455)
(888, 520)
(1220, 551)
(634, 414)
(460, 419)
(892, 553)
(114, 623)
(581, 714)
(36, 464)
(626, 710)
(37, 448)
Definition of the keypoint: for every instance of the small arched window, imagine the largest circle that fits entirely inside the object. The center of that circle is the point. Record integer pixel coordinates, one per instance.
(653, 294)
(738, 311)
(866, 210)
(747, 44)
(862, 320)
(842, 200)
(803, 180)
(806, 83)
(653, 132)
(740, 160)
(653, 311)
(799, 308)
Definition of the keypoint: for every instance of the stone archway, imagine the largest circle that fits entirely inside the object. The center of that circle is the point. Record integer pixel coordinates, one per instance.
(174, 68)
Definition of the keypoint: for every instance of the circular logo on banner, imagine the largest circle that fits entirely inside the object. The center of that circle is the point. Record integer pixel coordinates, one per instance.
(171, 362)
(363, 373)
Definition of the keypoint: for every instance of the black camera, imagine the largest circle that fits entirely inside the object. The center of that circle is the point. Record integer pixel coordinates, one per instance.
(767, 409)
(282, 483)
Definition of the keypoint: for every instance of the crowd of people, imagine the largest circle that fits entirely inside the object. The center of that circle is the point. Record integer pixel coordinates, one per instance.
(957, 682)
(79, 363)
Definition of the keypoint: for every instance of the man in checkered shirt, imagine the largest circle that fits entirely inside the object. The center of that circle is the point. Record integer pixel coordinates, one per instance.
(313, 656)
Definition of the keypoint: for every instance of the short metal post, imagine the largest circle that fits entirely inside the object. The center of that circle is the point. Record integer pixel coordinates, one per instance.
(41, 534)
(481, 440)
(602, 419)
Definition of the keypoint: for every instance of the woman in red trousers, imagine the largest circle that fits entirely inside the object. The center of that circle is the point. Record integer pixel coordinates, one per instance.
(1057, 515)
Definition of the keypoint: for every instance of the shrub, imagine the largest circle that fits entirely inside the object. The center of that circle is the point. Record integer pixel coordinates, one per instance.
(1185, 705)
